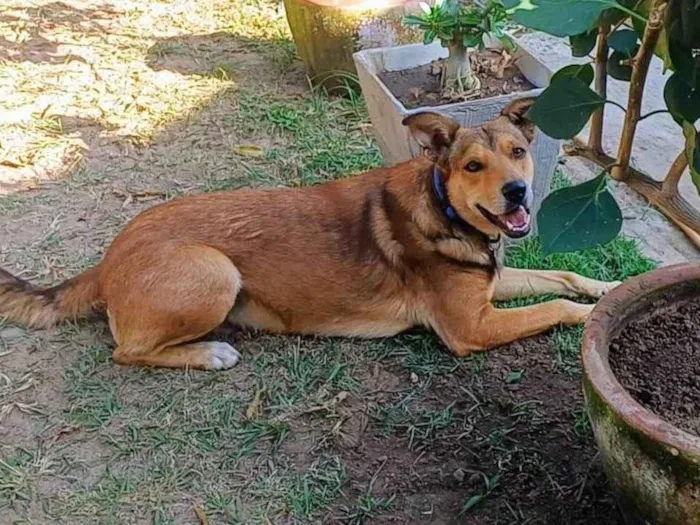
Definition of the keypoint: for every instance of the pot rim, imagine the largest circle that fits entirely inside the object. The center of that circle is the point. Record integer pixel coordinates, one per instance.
(596, 367)
(355, 4)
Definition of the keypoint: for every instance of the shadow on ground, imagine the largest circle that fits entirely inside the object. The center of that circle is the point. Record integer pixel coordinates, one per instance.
(32, 21)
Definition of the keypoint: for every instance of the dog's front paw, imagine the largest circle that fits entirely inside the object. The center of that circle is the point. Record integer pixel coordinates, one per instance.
(223, 356)
(577, 313)
(607, 287)
(595, 289)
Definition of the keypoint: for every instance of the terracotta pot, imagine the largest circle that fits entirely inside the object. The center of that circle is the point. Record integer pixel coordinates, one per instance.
(328, 32)
(653, 466)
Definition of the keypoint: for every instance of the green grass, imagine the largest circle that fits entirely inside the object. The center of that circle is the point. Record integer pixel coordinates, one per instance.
(321, 132)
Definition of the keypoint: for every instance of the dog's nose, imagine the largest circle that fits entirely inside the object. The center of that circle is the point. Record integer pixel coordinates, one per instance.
(515, 191)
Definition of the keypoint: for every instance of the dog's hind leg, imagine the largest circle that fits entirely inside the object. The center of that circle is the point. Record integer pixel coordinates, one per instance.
(514, 283)
(161, 298)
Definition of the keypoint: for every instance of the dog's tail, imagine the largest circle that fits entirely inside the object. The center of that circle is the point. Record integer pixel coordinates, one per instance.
(23, 303)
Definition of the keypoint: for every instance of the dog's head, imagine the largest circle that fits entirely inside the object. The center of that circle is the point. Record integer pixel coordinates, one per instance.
(487, 170)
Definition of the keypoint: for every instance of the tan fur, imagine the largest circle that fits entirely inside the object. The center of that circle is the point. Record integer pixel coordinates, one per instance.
(368, 256)
(31, 306)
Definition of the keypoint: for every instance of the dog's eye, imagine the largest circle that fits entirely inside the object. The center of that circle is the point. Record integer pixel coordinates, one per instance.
(518, 153)
(474, 166)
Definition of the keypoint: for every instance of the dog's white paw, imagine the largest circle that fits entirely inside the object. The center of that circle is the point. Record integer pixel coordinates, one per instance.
(223, 356)
(607, 287)
(577, 313)
(595, 289)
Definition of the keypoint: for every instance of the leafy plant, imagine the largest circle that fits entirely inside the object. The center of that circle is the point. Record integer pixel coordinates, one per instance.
(460, 27)
(623, 35)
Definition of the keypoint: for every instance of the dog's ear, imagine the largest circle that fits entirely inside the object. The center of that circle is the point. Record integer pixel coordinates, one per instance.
(515, 112)
(434, 132)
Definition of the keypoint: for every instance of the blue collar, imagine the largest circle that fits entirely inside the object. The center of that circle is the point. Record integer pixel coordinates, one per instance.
(451, 214)
(442, 198)
(448, 210)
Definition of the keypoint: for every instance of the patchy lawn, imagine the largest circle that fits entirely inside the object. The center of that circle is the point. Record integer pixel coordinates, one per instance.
(107, 108)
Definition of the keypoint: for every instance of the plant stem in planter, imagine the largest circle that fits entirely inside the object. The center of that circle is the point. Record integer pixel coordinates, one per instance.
(459, 25)
(674, 175)
(595, 136)
(459, 79)
(640, 68)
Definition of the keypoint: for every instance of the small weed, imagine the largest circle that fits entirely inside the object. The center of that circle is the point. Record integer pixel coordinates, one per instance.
(20, 474)
(251, 433)
(425, 426)
(477, 362)
(365, 509)
(566, 342)
(316, 488)
(490, 484)
(516, 376)
(424, 354)
(284, 118)
(304, 372)
(582, 423)
(94, 400)
(279, 492)
(320, 137)
(528, 411)
(420, 426)
(9, 204)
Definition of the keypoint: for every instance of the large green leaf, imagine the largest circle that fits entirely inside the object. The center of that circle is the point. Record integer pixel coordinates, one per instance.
(624, 41)
(558, 17)
(584, 43)
(617, 69)
(583, 72)
(563, 109)
(683, 31)
(692, 152)
(579, 217)
(682, 99)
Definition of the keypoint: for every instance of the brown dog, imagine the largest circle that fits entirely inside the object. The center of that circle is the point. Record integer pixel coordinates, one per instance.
(371, 256)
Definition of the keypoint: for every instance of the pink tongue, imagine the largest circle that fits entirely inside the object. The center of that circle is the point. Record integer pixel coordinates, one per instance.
(518, 218)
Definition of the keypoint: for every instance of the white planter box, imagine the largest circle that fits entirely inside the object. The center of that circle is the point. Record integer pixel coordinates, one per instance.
(386, 112)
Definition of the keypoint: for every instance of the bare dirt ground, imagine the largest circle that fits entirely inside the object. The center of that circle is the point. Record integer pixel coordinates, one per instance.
(109, 107)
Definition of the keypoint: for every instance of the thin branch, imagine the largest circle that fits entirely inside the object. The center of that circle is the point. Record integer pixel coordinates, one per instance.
(595, 136)
(670, 184)
(616, 104)
(640, 68)
(652, 113)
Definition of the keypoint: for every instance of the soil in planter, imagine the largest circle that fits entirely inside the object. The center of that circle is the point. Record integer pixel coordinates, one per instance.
(420, 86)
(657, 359)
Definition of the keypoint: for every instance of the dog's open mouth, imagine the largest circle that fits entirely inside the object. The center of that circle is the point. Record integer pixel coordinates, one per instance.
(515, 223)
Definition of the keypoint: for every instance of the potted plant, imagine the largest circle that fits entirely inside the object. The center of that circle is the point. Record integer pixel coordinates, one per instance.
(641, 388)
(467, 68)
(328, 32)
(622, 39)
(460, 27)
